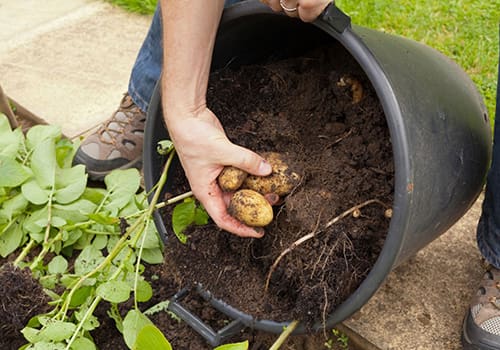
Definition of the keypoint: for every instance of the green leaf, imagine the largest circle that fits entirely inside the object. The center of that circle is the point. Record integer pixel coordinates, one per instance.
(82, 206)
(104, 219)
(162, 306)
(40, 133)
(151, 237)
(132, 325)
(234, 346)
(90, 323)
(13, 173)
(94, 195)
(80, 295)
(46, 345)
(36, 221)
(100, 241)
(114, 291)
(83, 343)
(10, 240)
(9, 140)
(152, 256)
(200, 216)
(70, 184)
(65, 151)
(88, 260)
(56, 331)
(31, 334)
(34, 193)
(57, 221)
(144, 291)
(182, 217)
(13, 206)
(70, 237)
(43, 163)
(48, 281)
(149, 338)
(122, 186)
(57, 265)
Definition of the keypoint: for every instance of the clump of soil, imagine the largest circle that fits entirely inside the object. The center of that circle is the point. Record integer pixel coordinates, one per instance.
(309, 108)
(21, 298)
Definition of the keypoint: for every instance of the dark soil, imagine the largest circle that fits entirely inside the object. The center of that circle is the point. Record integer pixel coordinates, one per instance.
(21, 298)
(310, 109)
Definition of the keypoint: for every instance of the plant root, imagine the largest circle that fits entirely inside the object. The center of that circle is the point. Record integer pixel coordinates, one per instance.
(316, 232)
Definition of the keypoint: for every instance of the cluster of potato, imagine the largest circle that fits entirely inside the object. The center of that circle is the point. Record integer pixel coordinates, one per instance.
(248, 203)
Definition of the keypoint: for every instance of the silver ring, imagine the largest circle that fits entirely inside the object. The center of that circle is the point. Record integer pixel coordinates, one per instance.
(286, 8)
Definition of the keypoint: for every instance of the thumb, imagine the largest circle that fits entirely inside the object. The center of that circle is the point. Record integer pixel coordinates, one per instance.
(250, 162)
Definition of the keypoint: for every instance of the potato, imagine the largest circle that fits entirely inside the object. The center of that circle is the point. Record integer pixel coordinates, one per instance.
(251, 208)
(231, 178)
(281, 181)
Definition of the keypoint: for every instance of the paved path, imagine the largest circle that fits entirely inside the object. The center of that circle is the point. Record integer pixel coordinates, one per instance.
(69, 60)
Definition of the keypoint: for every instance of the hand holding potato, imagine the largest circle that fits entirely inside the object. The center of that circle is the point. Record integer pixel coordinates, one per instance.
(250, 204)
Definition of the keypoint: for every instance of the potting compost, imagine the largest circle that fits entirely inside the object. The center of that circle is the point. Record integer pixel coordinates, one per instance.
(320, 111)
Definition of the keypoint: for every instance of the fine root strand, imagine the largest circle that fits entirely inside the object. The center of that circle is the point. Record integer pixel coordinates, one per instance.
(316, 232)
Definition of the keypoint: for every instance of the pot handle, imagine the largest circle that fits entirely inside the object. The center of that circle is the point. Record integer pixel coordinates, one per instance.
(214, 338)
(335, 18)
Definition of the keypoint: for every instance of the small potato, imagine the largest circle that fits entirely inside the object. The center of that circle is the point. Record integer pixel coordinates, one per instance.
(231, 178)
(281, 181)
(251, 208)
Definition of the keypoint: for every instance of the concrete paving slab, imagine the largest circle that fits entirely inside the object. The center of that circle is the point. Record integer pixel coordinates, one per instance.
(73, 71)
(20, 18)
(422, 303)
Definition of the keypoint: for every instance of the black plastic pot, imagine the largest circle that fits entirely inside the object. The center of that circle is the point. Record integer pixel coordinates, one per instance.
(437, 121)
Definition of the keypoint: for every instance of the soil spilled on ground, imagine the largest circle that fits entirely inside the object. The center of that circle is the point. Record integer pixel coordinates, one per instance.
(21, 298)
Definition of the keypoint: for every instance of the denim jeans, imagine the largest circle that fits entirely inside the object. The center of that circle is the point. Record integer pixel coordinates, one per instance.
(488, 228)
(148, 64)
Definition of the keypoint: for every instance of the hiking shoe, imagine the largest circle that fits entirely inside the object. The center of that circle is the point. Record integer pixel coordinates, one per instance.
(117, 144)
(481, 328)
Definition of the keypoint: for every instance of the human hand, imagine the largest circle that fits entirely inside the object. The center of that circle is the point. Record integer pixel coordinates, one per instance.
(204, 149)
(306, 10)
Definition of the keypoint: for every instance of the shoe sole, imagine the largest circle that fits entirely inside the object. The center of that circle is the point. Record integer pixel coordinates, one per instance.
(100, 175)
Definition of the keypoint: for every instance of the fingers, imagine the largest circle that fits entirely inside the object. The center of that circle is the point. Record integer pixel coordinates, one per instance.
(215, 203)
(307, 10)
(249, 161)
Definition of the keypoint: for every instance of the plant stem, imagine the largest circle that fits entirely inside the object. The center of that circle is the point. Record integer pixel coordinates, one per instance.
(284, 335)
(45, 250)
(49, 218)
(24, 252)
(174, 200)
(122, 242)
(164, 204)
(89, 312)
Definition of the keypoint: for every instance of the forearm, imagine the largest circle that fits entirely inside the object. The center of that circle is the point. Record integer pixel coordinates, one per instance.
(189, 29)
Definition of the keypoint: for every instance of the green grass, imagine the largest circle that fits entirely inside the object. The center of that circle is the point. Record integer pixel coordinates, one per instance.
(464, 30)
(144, 7)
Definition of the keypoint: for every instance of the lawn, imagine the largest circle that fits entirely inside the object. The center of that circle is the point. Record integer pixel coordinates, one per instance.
(465, 30)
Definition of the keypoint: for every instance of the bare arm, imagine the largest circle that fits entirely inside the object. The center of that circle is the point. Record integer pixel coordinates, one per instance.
(189, 34)
(189, 29)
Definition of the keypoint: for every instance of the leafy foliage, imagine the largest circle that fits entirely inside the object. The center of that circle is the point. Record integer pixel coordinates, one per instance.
(98, 239)
(106, 232)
